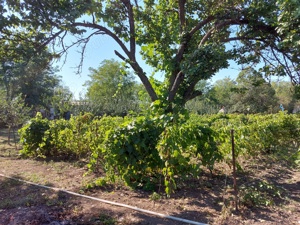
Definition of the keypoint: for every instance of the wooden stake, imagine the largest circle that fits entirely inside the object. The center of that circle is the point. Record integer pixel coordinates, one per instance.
(234, 170)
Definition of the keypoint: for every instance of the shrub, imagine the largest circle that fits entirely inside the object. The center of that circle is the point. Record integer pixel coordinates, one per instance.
(149, 150)
(32, 137)
(95, 136)
(130, 153)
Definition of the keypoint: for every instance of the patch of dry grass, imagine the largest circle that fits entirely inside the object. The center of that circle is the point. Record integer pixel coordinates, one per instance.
(9, 148)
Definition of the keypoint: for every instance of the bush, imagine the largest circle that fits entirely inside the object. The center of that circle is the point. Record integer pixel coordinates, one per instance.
(259, 194)
(149, 151)
(95, 136)
(184, 148)
(32, 137)
(130, 153)
(56, 138)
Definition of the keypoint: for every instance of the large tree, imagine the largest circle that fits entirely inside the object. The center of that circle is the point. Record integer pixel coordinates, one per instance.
(25, 60)
(188, 41)
(285, 93)
(111, 89)
(223, 92)
(253, 94)
(34, 79)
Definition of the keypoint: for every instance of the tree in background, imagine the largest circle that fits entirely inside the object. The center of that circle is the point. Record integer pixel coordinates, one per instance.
(285, 92)
(111, 90)
(223, 93)
(38, 81)
(185, 40)
(249, 93)
(34, 78)
(253, 93)
(61, 101)
(25, 62)
(207, 102)
(13, 113)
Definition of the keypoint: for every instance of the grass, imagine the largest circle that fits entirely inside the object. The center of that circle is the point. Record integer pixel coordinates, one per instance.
(6, 148)
(26, 196)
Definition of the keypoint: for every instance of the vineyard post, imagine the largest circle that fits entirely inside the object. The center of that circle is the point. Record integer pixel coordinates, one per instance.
(234, 170)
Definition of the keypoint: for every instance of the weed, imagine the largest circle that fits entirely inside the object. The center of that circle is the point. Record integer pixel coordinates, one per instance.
(155, 196)
(104, 220)
(260, 194)
(100, 182)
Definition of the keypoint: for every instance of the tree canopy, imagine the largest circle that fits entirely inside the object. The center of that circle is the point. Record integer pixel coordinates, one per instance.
(111, 89)
(188, 41)
(34, 79)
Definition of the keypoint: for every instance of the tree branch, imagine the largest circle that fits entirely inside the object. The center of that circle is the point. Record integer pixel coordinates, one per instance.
(201, 24)
(131, 56)
(120, 56)
(175, 86)
(131, 27)
(107, 32)
(217, 26)
(192, 94)
(51, 39)
(181, 11)
(184, 43)
(188, 37)
(144, 80)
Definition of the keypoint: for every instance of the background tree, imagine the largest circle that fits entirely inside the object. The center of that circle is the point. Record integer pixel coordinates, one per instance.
(13, 113)
(223, 92)
(61, 100)
(112, 89)
(285, 93)
(253, 93)
(25, 61)
(38, 81)
(34, 79)
(185, 40)
(207, 102)
(249, 93)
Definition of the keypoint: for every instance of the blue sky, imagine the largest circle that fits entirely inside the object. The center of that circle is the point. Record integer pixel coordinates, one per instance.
(98, 49)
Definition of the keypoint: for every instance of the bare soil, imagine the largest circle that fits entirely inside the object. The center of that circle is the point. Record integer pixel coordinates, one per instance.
(208, 199)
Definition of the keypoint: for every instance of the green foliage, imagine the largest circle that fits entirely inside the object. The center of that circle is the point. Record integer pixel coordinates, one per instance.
(185, 40)
(259, 194)
(33, 78)
(256, 134)
(32, 135)
(288, 21)
(286, 94)
(60, 137)
(249, 93)
(206, 60)
(148, 150)
(55, 138)
(155, 196)
(152, 152)
(111, 89)
(130, 152)
(13, 112)
(184, 148)
(61, 100)
(99, 182)
(96, 136)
